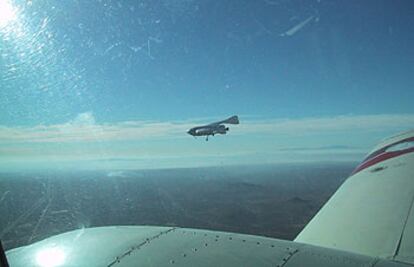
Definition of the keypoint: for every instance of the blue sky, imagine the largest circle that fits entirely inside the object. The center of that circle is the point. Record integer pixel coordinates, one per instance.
(115, 84)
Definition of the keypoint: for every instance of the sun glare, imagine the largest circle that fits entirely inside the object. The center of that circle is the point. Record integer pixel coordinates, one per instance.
(50, 257)
(7, 13)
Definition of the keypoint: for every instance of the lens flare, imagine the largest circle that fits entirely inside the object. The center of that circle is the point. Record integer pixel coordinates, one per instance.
(7, 13)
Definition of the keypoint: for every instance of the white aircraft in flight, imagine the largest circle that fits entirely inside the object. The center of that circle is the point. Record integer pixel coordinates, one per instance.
(369, 222)
(213, 128)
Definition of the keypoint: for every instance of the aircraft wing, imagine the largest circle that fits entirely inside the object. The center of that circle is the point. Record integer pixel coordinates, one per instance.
(368, 222)
(231, 120)
(127, 246)
(372, 212)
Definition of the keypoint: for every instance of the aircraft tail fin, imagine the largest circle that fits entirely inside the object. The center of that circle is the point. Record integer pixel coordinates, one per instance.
(232, 120)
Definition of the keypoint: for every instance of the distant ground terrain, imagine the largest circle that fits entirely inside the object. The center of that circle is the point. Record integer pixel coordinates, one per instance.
(271, 200)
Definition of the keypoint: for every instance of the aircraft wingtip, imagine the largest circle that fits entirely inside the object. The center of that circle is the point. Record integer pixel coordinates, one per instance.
(233, 120)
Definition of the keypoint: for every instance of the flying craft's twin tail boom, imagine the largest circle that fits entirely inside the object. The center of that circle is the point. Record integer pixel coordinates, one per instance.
(213, 128)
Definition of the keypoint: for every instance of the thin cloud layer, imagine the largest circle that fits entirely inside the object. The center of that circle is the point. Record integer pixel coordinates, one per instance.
(351, 123)
(83, 128)
(85, 143)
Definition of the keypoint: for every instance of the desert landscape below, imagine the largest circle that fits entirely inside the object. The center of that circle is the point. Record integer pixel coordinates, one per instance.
(268, 200)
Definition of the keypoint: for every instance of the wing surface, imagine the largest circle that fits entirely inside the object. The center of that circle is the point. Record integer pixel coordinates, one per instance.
(231, 120)
(372, 212)
(127, 246)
